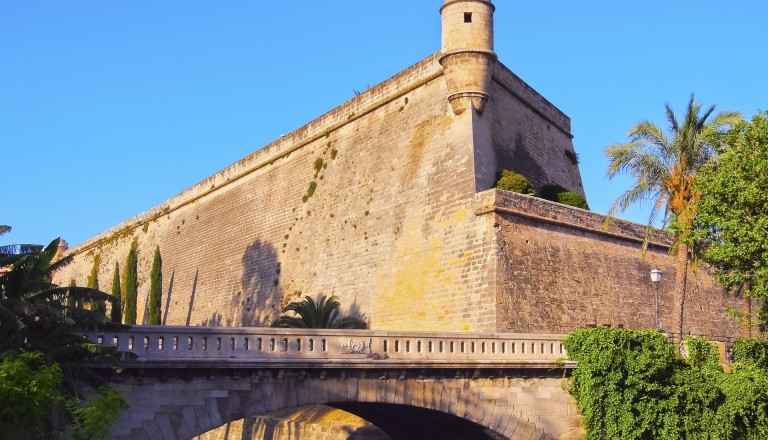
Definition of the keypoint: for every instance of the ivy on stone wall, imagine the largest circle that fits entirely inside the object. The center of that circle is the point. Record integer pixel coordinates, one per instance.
(630, 384)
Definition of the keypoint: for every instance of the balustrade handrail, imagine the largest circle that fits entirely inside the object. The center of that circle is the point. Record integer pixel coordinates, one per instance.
(180, 346)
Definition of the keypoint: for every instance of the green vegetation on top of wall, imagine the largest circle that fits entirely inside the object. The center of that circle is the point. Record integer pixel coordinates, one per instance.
(630, 384)
(556, 193)
(514, 182)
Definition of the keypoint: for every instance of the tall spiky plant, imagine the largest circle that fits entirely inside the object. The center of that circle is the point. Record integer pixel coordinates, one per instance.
(663, 165)
(323, 314)
(155, 288)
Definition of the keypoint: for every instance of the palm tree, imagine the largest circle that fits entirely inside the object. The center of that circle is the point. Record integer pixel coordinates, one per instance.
(323, 314)
(664, 166)
(41, 322)
(38, 315)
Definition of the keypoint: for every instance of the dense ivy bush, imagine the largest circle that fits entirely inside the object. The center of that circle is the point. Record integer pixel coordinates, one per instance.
(751, 351)
(556, 193)
(630, 384)
(514, 182)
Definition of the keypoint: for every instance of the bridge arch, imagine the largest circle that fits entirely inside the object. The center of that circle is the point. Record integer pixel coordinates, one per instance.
(188, 403)
(184, 381)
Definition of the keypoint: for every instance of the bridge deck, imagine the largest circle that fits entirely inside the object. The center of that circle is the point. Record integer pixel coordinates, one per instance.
(257, 347)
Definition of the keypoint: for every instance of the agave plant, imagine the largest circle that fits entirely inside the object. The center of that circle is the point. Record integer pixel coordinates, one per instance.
(323, 314)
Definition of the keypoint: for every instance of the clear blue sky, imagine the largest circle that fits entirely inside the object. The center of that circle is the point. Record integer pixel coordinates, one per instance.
(109, 108)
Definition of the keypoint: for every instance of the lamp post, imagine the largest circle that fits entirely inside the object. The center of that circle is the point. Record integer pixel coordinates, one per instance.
(656, 279)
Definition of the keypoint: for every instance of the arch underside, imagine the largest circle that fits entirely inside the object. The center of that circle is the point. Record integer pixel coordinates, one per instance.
(404, 408)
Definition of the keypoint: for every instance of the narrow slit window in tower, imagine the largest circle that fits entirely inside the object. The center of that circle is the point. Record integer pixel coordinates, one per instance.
(467, 17)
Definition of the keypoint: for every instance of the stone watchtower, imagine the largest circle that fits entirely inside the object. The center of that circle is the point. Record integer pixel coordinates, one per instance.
(467, 54)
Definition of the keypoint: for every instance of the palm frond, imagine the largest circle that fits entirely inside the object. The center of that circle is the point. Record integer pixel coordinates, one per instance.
(323, 314)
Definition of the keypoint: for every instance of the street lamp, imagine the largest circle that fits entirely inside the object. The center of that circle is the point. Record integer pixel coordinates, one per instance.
(656, 279)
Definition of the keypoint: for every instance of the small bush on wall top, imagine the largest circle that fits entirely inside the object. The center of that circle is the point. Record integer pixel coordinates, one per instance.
(557, 193)
(514, 182)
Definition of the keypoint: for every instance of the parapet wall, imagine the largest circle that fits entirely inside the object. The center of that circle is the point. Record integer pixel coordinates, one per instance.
(560, 268)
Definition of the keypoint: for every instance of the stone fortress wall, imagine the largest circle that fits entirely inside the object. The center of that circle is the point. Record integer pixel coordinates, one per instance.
(385, 201)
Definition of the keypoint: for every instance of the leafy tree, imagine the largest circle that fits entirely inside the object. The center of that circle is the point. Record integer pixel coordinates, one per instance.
(155, 288)
(96, 420)
(130, 285)
(116, 314)
(29, 393)
(323, 314)
(732, 214)
(663, 166)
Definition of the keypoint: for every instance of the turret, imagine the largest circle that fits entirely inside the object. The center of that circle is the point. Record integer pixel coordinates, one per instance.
(467, 53)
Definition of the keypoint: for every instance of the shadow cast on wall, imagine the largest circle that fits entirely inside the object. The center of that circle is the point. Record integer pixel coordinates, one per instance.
(258, 303)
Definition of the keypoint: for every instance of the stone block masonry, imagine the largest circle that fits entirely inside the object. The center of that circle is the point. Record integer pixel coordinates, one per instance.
(559, 269)
(377, 201)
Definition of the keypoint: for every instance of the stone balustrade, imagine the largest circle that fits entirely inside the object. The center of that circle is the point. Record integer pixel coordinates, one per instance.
(234, 347)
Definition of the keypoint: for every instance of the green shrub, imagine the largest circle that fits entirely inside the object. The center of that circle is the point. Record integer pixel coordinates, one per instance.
(571, 198)
(550, 192)
(514, 182)
(556, 193)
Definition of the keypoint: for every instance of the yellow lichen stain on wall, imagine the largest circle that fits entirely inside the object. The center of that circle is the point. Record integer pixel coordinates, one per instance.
(410, 294)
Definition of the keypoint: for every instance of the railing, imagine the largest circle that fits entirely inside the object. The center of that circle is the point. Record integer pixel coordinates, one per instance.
(225, 347)
(19, 249)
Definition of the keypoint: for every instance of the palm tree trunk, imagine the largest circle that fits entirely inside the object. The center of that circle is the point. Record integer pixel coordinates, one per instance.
(681, 281)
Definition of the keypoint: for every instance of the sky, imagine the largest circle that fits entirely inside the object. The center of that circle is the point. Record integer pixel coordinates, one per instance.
(108, 108)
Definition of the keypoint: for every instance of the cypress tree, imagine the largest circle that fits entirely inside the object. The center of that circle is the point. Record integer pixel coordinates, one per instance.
(93, 283)
(117, 306)
(70, 302)
(130, 286)
(155, 288)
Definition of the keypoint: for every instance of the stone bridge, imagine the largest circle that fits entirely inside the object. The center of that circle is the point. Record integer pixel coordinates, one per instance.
(187, 381)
